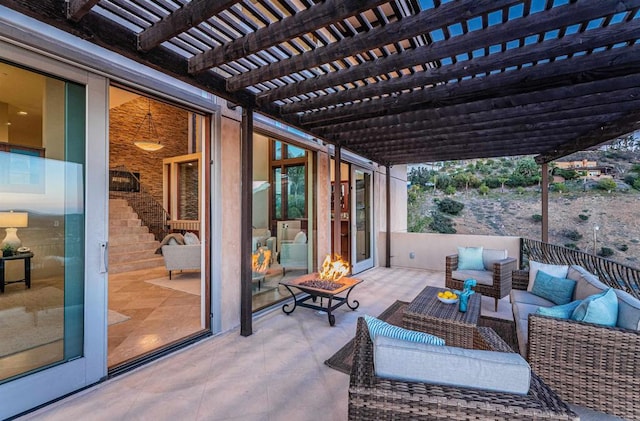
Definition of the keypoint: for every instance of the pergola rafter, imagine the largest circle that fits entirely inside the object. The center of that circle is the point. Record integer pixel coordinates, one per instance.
(387, 79)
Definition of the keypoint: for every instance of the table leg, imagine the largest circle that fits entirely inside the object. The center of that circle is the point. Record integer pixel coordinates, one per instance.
(27, 272)
(355, 305)
(1, 276)
(286, 305)
(332, 318)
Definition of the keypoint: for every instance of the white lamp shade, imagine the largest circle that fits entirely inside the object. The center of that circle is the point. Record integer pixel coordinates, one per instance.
(14, 219)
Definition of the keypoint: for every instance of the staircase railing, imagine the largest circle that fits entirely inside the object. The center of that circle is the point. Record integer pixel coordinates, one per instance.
(125, 184)
(611, 273)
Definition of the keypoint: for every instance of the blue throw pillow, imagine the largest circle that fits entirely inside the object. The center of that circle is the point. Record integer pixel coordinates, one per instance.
(378, 327)
(563, 311)
(600, 309)
(556, 290)
(470, 258)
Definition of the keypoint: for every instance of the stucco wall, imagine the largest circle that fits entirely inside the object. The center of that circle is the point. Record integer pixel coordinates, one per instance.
(430, 250)
(323, 207)
(230, 241)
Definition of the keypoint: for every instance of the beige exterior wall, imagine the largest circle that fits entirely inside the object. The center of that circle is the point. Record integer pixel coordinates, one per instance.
(323, 206)
(398, 175)
(230, 234)
(430, 250)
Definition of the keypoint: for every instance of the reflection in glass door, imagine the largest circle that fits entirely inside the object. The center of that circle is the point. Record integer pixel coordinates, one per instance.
(362, 250)
(51, 324)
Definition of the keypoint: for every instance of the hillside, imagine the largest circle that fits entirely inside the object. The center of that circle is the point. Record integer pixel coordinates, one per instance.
(574, 210)
(617, 215)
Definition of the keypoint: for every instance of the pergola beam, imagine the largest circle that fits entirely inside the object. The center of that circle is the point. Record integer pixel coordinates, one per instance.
(305, 21)
(603, 65)
(570, 44)
(629, 123)
(413, 26)
(572, 124)
(76, 9)
(184, 18)
(518, 28)
(489, 120)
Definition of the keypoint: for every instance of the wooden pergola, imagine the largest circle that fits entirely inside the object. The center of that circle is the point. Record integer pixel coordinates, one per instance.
(395, 81)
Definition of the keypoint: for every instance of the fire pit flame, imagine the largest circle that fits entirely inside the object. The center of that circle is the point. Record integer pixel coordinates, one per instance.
(333, 270)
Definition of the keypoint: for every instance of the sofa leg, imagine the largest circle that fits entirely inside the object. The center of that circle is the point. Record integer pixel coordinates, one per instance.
(169, 275)
(496, 310)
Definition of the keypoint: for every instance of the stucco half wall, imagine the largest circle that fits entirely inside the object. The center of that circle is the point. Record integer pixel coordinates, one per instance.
(429, 250)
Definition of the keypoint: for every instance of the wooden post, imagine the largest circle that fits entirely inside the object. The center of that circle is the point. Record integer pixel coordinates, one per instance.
(388, 239)
(545, 202)
(246, 155)
(337, 183)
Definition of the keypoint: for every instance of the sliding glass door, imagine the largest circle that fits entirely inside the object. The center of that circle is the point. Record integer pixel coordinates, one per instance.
(361, 220)
(52, 313)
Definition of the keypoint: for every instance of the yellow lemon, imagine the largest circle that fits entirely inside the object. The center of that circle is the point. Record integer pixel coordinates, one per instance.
(441, 294)
(448, 294)
(454, 297)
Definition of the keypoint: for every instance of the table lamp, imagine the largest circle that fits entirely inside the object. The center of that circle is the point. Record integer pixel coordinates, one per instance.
(11, 221)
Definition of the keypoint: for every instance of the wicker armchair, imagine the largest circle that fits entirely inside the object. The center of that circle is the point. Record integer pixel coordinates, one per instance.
(586, 364)
(502, 271)
(375, 398)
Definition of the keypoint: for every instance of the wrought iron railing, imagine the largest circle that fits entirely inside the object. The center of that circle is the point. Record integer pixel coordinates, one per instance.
(125, 184)
(611, 273)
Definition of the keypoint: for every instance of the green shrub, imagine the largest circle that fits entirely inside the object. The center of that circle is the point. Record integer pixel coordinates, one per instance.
(559, 187)
(605, 252)
(636, 184)
(520, 190)
(483, 189)
(450, 206)
(450, 190)
(536, 217)
(583, 217)
(492, 182)
(607, 184)
(572, 246)
(441, 223)
(572, 235)
(623, 247)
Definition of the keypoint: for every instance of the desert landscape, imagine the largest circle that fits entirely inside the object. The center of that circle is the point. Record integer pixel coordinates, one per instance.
(617, 216)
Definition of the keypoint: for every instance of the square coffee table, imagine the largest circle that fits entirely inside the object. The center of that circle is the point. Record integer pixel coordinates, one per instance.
(427, 314)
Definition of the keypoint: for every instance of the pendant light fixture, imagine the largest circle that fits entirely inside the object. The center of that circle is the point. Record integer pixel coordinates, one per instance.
(149, 142)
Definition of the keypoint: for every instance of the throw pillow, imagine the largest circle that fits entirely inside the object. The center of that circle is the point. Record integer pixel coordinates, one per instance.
(600, 309)
(556, 290)
(300, 238)
(378, 327)
(191, 239)
(470, 258)
(563, 311)
(559, 271)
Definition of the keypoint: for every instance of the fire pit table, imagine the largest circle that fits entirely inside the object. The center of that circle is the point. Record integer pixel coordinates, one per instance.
(315, 287)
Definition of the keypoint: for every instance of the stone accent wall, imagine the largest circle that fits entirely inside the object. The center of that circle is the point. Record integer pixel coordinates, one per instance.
(172, 127)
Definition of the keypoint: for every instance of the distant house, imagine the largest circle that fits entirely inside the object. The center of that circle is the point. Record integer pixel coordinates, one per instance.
(587, 169)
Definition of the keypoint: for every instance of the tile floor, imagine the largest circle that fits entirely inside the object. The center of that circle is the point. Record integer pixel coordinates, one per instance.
(278, 373)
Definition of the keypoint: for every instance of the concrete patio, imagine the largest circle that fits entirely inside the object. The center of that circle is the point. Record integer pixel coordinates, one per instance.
(278, 373)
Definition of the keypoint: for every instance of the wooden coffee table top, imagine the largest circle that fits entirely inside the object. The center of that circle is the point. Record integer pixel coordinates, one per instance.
(427, 304)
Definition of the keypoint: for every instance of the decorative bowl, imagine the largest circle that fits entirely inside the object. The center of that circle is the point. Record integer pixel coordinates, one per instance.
(448, 300)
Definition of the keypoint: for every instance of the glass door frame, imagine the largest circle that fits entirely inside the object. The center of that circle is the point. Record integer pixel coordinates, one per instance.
(45, 385)
(367, 263)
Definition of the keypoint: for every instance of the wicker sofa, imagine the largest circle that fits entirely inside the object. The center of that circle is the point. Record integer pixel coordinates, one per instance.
(586, 364)
(376, 398)
(494, 281)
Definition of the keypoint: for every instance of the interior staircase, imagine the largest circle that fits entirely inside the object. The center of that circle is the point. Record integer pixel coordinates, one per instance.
(131, 245)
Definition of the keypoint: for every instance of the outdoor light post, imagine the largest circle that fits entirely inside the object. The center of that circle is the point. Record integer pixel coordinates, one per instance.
(595, 239)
